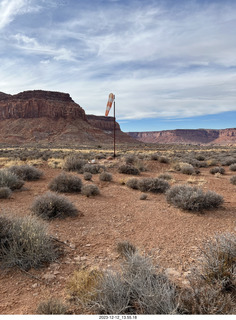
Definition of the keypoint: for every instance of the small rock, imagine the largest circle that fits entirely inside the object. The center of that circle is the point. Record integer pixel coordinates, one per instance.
(56, 272)
(88, 245)
(34, 285)
(72, 246)
(49, 276)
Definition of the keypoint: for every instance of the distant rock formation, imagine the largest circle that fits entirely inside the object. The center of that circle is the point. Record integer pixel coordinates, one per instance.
(52, 117)
(188, 136)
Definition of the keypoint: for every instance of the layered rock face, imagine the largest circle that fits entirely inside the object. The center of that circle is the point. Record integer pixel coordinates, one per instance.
(188, 136)
(38, 104)
(52, 117)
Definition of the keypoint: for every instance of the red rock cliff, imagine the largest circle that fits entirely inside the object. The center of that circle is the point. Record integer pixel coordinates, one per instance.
(38, 104)
(187, 136)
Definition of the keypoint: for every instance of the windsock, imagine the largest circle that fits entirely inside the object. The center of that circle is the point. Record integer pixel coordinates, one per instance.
(109, 103)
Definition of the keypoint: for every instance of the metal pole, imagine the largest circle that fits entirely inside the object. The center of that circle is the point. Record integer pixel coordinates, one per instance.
(114, 129)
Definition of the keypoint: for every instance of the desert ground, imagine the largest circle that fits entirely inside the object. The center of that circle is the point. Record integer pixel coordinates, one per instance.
(171, 235)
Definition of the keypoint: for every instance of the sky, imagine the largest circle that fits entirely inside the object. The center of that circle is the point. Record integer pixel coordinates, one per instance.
(170, 63)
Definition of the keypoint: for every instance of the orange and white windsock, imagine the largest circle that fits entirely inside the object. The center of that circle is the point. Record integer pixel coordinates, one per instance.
(109, 103)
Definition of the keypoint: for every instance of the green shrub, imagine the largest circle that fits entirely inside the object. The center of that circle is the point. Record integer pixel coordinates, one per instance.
(74, 163)
(5, 193)
(52, 306)
(24, 242)
(65, 182)
(105, 176)
(217, 169)
(154, 185)
(128, 169)
(232, 167)
(90, 190)
(233, 180)
(132, 183)
(51, 205)
(26, 172)
(10, 180)
(88, 176)
(192, 198)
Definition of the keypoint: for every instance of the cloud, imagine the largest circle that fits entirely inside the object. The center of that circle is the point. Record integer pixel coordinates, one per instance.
(161, 59)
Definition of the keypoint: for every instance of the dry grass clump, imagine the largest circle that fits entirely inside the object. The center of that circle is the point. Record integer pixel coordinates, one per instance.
(105, 176)
(90, 190)
(217, 170)
(26, 172)
(83, 284)
(10, 180)
(52, 306)
(163, 159)
(5, 193)
(193, 198)
(65, 182)
(88, 176)
(232, 167)
(24, 242)
(233, 180)
(51, 205)
(74, 163)
(128, 169)
(154, 185)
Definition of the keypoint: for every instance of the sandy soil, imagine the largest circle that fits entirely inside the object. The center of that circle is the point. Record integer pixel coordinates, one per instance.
(117, 214)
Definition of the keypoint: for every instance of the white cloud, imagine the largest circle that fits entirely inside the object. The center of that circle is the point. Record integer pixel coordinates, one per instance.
(176, 61)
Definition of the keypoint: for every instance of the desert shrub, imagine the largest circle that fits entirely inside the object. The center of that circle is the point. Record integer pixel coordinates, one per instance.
(187, 169)
(5, 192)
(128, 169)
(90, 190)
(143, 196)
(93, 168)
(100, 156)
(138, 288)
(232, 167)
(192, 198)
(52, 306)
(10, 180)
(74, 163)
(26, 172)
(51, 205)
(219, 260)
(65, 182)
(233, 180)
(125, 248)
(213, 283)
(228, 161)
(82, 285)
(212, 162)
(132, 183)
(217, 170)
(164, 159)
(154, 156)
(130, 159)
(204, 299)
(200, 157)
(165, 176)
(154, 185)
(105, 176)
(88, 176)
(24, 242)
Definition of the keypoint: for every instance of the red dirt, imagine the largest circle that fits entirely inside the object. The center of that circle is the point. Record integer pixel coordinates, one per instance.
(116, 215)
